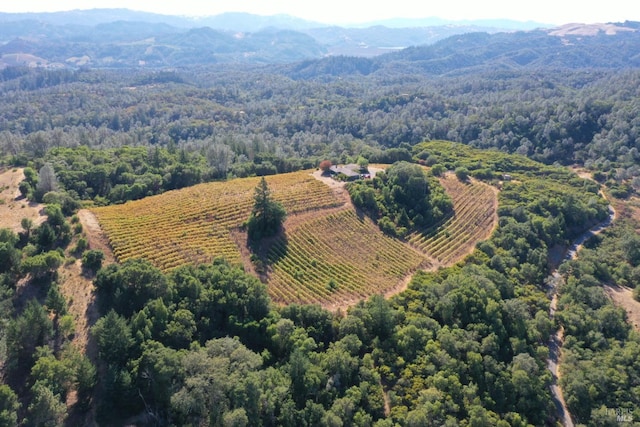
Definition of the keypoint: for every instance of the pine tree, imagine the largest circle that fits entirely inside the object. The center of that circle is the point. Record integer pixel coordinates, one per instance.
(267, 215)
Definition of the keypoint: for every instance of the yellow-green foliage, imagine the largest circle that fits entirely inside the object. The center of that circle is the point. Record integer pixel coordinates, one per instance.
(337, 258)
(193, 224)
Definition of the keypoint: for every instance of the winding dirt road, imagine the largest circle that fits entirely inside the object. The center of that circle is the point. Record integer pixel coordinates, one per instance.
(556, 340)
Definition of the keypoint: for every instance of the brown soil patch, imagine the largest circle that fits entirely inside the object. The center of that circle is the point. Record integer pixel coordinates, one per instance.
(78, 289)
(77, 285)
(338, 187)
(13, 207)
(95, 236)
(628, 209)
(622, 296)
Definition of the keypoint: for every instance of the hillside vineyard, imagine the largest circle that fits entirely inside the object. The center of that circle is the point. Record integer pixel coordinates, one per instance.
(237, 227)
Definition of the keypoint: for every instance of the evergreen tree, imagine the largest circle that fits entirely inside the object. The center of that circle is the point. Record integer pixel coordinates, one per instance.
(267, 215)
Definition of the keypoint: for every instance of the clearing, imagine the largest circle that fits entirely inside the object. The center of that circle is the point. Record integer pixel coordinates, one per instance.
(77, 286)
(13, 207)
(622, 296)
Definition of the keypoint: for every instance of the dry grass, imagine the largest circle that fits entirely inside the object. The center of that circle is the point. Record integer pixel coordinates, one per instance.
(622, 296)
(12, 206)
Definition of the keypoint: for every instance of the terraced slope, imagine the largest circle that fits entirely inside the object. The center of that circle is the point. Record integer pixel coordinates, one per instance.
(336, 259)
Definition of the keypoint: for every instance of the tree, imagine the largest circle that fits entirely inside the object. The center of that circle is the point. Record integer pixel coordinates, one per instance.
(113, 337)
(267, 215)
(9, 406)
(363, 163)
(325, 166)
(47, 181)
(92, 260)
(27, 226)
(462, 174)
(26, 332)
(46, 408)
(25, 189)
(438, 169)
(55, 374)
(42, 265)
(126, 288)
(9, 255)
(30, 176)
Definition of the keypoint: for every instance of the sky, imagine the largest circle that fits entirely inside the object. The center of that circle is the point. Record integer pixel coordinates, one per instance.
(357, 11)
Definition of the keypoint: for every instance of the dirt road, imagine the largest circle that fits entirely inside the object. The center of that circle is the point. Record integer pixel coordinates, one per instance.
(556, 340)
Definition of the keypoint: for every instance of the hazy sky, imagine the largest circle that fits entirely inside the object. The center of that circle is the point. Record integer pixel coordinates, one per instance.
(356, 11)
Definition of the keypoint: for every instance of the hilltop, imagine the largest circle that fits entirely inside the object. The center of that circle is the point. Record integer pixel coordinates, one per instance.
(328, 253)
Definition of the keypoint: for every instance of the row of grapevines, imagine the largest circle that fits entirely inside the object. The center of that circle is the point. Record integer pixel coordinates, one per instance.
(193, 224)
(336, 258)
(473, 219)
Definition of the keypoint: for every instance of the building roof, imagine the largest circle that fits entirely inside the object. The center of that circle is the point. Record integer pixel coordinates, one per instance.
(349, 170)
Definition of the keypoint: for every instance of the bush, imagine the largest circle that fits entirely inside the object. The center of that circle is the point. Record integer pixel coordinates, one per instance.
(325, 165)
(92, 260)
(81, 246)
(462, 174)
(438, 169)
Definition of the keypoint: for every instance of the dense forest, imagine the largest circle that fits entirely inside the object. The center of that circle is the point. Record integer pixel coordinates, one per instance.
(465, 345)
(250, 121)
(204, 345)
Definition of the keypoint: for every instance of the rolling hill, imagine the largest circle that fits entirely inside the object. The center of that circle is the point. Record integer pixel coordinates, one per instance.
(122, 38)
(329, 253)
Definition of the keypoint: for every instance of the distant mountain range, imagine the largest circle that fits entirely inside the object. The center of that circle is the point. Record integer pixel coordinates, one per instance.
(238, 21)
(118, 38)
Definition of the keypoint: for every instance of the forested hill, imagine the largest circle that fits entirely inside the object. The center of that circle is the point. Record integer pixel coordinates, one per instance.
(610, 46)
(122, 39)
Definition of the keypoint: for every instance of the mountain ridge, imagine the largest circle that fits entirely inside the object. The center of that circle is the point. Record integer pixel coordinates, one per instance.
(101, 42)
(243, 21)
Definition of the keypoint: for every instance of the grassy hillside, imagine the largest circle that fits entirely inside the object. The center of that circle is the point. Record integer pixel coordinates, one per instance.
(328, 253)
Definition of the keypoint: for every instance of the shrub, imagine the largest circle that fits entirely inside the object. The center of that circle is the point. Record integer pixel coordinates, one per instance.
(92, 260)
(462, 174)
(325, 165)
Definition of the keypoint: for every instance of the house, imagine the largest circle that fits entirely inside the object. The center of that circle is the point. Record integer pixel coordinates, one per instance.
(351, 171)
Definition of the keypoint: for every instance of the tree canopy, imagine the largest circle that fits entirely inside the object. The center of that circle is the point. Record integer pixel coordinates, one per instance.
(267, 215)
(403, 198)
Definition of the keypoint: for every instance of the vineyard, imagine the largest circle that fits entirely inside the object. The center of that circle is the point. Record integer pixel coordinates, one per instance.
(337, 259)
(473, 219)
(193, 225)
(329, 254)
